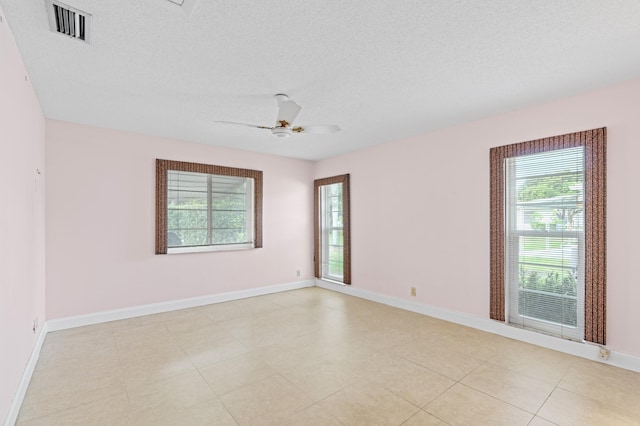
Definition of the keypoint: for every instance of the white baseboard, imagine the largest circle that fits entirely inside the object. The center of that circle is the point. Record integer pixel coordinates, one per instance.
(156, 308)
(16, 402)
(584, 350)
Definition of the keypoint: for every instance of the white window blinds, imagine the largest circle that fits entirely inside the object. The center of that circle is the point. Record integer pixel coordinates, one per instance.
(544, 241)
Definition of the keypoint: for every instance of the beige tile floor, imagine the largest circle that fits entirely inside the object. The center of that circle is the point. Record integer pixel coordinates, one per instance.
(314, 357)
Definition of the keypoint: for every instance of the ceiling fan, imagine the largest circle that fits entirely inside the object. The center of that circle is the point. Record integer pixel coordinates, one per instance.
(287, 113)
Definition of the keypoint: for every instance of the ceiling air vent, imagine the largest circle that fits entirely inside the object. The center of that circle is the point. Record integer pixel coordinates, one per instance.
(69, 21)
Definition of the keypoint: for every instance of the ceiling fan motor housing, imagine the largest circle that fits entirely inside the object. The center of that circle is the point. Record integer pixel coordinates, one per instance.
(281, 132)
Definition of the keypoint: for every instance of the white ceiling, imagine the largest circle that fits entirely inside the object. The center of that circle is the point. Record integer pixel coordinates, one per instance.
(381, 69)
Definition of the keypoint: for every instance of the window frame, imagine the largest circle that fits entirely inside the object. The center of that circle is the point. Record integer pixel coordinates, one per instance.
(346, 226)
(595, 260)
(162, 169)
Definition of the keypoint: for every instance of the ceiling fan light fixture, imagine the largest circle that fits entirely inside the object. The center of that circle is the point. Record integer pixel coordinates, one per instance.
(281, 132)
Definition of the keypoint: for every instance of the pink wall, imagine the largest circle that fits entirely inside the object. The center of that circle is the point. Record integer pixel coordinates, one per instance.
(100, 223)
(420, 207)
(21, 217)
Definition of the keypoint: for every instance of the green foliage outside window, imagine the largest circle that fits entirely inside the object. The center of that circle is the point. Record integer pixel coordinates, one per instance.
(188, 221)
(547, 293)
(549, 187)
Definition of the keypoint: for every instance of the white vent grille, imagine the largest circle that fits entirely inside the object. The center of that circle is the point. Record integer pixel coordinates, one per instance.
(68, 21)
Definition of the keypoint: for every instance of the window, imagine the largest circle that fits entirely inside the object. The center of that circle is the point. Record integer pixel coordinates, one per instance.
(202, 207)
(548, 224)
(332, 254)
(544, 244)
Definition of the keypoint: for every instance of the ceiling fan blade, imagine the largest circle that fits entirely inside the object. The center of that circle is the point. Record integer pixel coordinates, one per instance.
(255, 126)
(327, 128)
(287, 114)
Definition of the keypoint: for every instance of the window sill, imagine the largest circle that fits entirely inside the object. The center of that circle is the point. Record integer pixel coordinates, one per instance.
(330, 281)
(205, 249)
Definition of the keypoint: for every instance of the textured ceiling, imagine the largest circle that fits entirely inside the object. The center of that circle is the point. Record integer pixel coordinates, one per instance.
(380, 69)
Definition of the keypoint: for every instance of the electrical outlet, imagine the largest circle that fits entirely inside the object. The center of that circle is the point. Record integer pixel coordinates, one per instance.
(413, 291)
(298, 272)
(604, 354)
